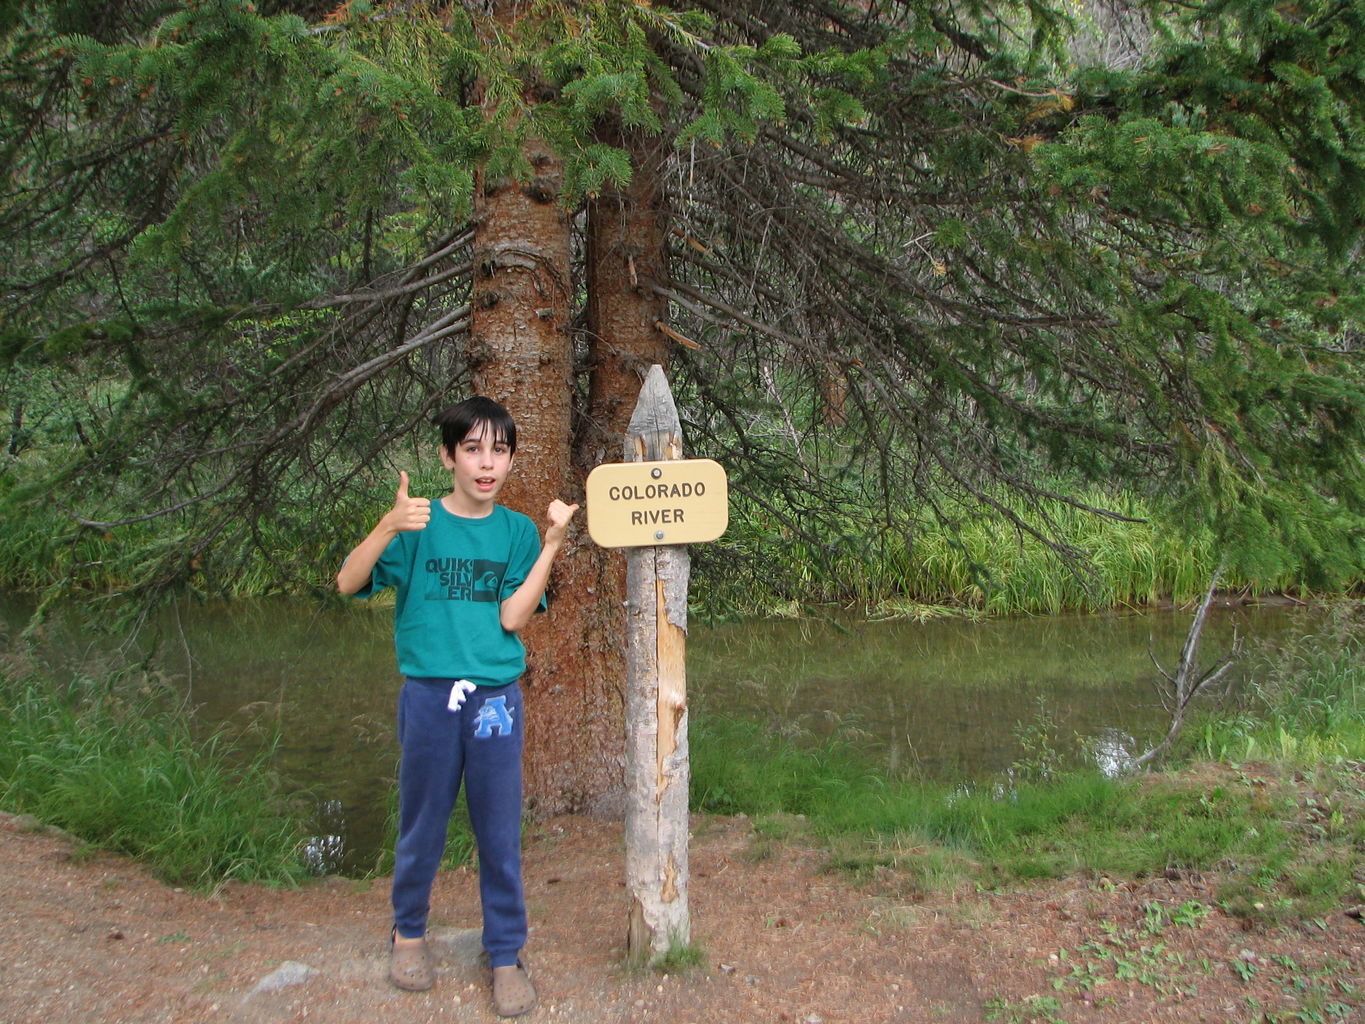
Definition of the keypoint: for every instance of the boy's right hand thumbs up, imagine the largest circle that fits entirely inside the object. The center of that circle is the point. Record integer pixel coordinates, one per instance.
(408, 513)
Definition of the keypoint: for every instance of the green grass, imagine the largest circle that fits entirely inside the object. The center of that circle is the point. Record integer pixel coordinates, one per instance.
(115, 766)
(981, 562)
(679, 957)
(1306, 701)
(1286, 850)
(1033, 1010)
(1284, 834)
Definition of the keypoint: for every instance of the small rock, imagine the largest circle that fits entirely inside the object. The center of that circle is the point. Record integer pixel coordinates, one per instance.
(456, 945)
(291, 972)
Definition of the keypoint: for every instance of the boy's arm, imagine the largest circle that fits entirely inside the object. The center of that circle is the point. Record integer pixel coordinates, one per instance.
(518, 607)
(407, 514)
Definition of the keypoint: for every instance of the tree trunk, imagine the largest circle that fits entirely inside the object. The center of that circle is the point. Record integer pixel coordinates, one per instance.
(626, 255)
(579, 763)
(521, 354)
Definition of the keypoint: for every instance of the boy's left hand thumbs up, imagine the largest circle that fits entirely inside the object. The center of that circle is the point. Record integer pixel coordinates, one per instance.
(559, 515)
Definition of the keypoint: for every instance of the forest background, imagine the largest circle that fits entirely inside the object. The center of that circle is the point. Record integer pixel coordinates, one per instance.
(1019, 306)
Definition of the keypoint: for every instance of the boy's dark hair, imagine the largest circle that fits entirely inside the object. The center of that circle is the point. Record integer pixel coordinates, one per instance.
(460, 420)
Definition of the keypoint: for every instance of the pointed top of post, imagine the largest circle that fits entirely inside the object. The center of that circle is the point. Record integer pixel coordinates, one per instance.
(655, 432)
(654, 410)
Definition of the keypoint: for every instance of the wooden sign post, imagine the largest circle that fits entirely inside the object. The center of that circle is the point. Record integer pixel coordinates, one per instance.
(654, 505)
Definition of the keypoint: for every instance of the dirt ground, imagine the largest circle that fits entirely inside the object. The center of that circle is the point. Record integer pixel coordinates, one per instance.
(93, 938)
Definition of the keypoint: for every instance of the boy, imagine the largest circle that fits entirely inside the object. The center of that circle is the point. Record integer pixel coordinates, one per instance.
(470, 573)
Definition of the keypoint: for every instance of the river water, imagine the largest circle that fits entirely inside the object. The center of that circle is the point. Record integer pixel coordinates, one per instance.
(948, 700)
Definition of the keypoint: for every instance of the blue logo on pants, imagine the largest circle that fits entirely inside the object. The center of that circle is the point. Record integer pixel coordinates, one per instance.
(493, 715)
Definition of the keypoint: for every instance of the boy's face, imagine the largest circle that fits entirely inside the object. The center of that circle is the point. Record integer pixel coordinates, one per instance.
(478, 468)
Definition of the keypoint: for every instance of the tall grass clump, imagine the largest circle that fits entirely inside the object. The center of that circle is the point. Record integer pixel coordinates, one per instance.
(294, 546)
(740, 767)
(1305, 702)
(114, 764)
(41, 546)
(980, 561)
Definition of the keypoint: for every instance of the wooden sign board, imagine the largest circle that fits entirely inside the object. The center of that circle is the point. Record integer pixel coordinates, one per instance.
(640, 504)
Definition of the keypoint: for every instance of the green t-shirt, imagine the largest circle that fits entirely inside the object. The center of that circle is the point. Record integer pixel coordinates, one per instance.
(451, 579)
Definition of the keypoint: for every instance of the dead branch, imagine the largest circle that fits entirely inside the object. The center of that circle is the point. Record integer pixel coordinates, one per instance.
(1180, 688)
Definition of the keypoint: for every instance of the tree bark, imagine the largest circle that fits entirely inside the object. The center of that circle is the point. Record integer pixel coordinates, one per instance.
(627, 259)
(521, 353)
(579, 763)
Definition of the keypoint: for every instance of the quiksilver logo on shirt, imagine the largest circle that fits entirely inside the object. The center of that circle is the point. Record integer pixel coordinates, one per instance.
(463, 579)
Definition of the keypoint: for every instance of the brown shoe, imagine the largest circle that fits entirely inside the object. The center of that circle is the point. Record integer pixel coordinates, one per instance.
(410, 964)
(513, 993)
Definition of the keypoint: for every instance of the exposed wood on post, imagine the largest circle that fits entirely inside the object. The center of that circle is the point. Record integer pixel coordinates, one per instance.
(657, 767)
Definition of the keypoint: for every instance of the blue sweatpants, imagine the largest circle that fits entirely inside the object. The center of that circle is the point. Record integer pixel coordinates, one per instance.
(480, 743)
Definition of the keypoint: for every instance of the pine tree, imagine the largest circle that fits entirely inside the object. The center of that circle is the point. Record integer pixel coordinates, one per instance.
(903, 259)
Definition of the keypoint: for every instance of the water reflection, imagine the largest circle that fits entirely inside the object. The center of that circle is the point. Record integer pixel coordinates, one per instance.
(950, 700)
(326, 853)
(316, 685)
(1113, 751)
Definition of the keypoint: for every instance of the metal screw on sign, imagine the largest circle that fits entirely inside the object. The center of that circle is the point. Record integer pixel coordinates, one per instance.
(656, 473)
(658, 534)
